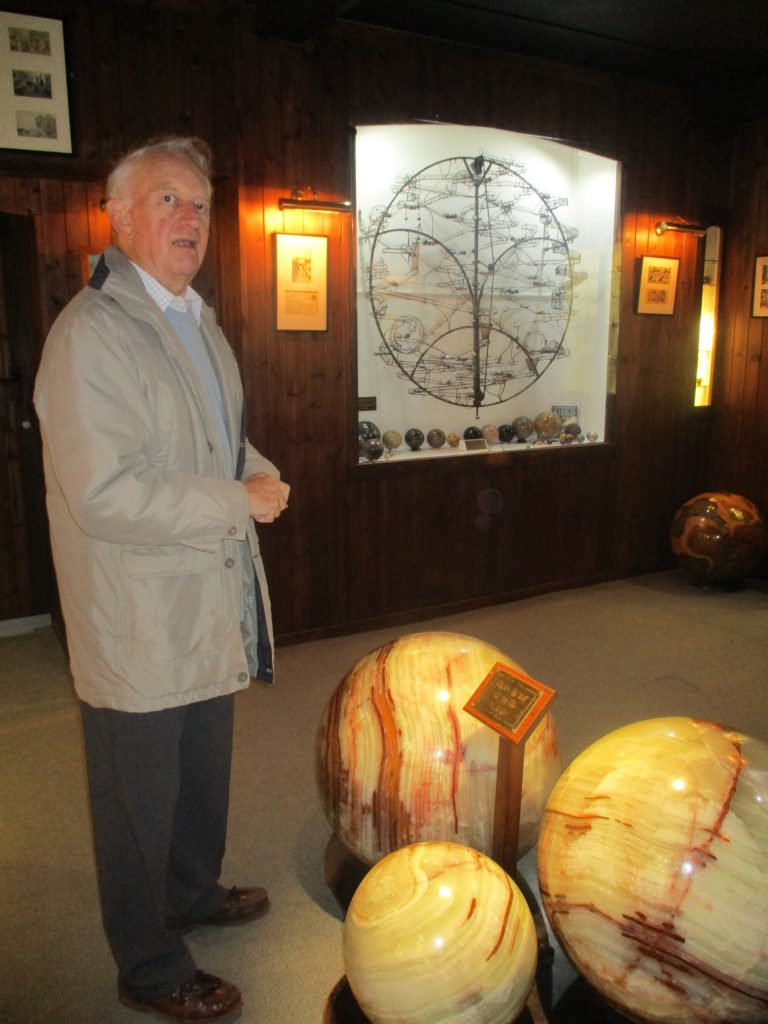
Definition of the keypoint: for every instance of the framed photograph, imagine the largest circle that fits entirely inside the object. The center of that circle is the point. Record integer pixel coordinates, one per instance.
(760, 291)
(658, 284)
(301, 282)
(34, 108)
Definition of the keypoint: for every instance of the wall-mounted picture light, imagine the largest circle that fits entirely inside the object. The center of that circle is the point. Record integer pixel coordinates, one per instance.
(669, 225)
(308, 200)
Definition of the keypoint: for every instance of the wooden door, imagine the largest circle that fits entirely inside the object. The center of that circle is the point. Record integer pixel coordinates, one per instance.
(26, 576)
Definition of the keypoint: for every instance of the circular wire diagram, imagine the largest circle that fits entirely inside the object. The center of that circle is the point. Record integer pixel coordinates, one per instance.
(470, 278)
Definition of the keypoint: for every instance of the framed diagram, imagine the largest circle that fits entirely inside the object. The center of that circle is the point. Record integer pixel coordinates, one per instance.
(658, 285)
(760, 289)
(34, 107)
(301, 282)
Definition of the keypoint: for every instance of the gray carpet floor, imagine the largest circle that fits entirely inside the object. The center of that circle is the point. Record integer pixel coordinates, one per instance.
(616, 652)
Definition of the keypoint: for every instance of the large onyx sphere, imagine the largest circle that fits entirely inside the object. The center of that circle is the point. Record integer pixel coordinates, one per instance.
(437, 933)
(653, 871)
(399, 760)
(719, 538)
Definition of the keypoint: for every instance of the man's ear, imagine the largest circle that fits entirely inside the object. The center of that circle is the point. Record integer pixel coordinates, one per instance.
(119, 213)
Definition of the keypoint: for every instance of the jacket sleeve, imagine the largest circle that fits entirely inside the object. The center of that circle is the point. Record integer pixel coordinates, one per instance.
(255, 462)
(97, 420)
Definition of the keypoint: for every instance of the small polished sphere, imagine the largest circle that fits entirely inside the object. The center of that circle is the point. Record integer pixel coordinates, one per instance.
(548, 423)
(653, 871)
(373, 449)
(438, 933)
(398, 760)
(592, 436)
(506, 433)
(566, 438)
(453, 439)
(523, 427)
(572, 427)
(414, 438)
(472, 433)
(719, 538)
(366, 430)
(392, 439)
(490, 433)
(436, 438)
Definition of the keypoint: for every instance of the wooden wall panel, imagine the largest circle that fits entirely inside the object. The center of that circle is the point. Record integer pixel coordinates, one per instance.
(409, 542)
(374, 544)
(740, 443)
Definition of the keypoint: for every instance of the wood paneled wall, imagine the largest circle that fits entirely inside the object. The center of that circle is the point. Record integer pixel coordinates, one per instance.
(376, 544)
(379, 543)
(739, 456)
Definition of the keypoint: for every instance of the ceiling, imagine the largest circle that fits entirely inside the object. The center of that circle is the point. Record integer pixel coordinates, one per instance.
(718, 48)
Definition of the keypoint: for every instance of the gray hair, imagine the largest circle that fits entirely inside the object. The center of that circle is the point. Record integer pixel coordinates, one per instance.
(190, 148)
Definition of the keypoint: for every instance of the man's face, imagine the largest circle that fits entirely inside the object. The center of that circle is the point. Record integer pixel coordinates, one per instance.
(162, 219)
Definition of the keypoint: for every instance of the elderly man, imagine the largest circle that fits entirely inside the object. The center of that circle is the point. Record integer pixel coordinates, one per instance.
(152, 491)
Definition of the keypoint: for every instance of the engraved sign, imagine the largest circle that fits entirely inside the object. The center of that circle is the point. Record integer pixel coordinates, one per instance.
(510, 702)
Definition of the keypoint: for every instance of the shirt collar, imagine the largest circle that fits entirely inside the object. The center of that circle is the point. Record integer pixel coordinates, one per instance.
(189, 302)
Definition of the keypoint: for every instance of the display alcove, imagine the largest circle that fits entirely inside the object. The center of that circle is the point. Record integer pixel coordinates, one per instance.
(485, 277)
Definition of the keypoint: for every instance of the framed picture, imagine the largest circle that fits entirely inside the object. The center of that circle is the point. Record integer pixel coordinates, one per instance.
(301, 282)
(760, 291)
(658, 284)
(34, 108)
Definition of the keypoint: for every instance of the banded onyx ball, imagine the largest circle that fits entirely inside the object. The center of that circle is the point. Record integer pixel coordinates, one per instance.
(437, 933)
(653, 871)
(398, 760)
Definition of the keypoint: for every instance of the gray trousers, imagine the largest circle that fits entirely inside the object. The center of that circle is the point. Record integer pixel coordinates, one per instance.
(159, 794)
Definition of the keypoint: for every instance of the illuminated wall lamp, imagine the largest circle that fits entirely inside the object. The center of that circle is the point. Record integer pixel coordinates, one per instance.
(690, 229)
(297, 201)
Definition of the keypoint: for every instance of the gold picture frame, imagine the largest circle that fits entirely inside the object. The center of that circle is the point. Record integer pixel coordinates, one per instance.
(301, 282)
(34, 106)
(658, 285)
(760, 287)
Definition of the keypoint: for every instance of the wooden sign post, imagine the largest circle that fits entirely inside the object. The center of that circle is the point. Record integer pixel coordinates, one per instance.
(512, 704)
(506, 815)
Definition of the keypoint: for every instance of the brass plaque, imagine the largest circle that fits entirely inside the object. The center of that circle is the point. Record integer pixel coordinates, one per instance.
(510, 702)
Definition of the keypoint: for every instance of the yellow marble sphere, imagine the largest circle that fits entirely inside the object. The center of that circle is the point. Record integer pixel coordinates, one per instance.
(653, 871)
(437, 933)
(399, 761)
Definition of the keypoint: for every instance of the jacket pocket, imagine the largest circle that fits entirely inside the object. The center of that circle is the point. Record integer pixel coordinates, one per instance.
(176, 603)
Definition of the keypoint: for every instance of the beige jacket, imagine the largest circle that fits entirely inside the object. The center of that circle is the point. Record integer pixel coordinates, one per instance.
(145, 527)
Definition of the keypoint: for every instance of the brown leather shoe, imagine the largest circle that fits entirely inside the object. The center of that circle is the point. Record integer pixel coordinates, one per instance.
(241, 905)
(205, 998)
